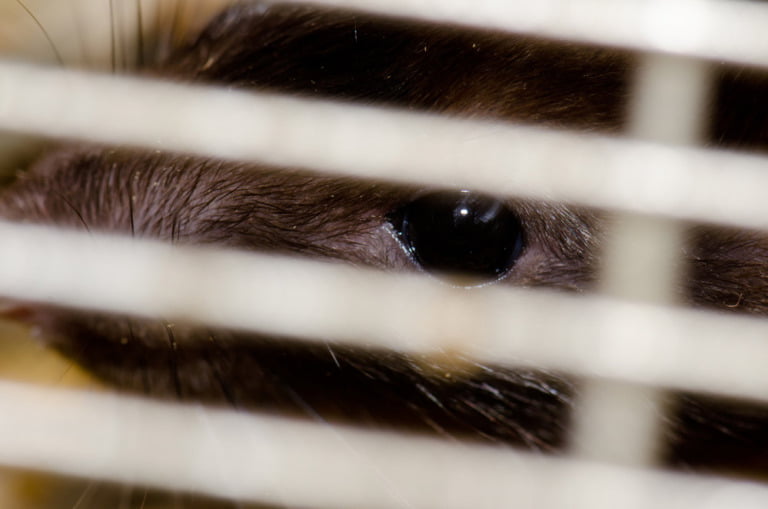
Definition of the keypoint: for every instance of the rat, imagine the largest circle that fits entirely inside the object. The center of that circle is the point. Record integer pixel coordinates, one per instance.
(370, 59)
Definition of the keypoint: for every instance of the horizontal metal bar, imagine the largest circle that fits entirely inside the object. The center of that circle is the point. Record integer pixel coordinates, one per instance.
(593, 336)
(692, 184)
(250, 457)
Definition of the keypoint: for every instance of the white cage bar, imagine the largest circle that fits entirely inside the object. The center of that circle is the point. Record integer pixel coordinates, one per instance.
(243, 456)
(623, 422)
(706, 185)
(643, 343)
(280, 461)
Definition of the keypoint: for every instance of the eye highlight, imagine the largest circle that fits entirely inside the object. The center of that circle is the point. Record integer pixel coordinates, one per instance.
(460, 232)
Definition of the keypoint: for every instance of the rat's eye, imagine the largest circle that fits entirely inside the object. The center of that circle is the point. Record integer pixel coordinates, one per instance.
(460, 232)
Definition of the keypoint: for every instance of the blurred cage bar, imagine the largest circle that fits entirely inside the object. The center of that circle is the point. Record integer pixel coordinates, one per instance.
(633, 345)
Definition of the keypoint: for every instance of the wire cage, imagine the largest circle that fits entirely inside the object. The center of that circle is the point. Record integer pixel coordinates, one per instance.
(630, 341)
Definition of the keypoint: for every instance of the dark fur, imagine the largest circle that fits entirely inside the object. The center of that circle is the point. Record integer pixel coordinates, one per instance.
(409, 65)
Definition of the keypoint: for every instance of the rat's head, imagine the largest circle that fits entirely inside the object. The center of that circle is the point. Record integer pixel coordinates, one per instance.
(444, 232)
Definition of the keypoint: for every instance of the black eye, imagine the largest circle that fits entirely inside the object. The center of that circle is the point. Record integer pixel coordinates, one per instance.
(460, 232)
